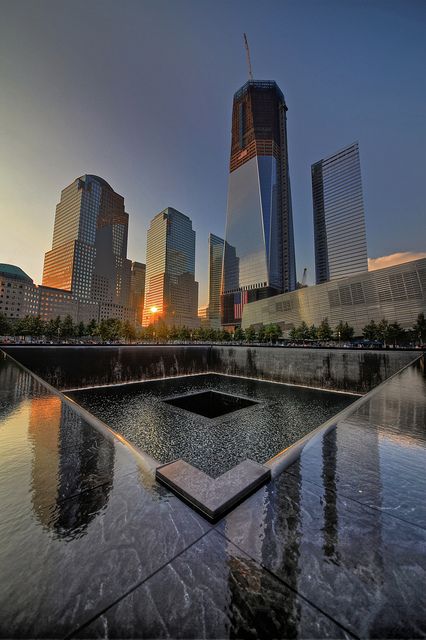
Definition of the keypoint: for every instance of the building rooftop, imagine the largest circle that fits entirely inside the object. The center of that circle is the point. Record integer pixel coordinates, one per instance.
(258, 84)
(12, 271)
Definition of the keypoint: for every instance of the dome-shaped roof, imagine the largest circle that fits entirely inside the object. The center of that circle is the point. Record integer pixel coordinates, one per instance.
(98, 179)
(11, 271)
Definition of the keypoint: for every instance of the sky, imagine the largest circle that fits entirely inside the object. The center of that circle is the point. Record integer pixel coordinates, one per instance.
(140, 93)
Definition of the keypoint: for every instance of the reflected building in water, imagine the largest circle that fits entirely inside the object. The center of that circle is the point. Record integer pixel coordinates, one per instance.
(65, 454)
(259, 257)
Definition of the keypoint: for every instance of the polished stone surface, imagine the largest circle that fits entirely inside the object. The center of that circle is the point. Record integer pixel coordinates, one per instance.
(213, 590)
(213, 497)
(282, 416)
(81, 520)
(92, 546)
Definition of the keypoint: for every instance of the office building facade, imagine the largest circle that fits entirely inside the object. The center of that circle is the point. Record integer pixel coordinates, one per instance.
(216, 246)
(259, 258)
(137, 290)
(171, 292)
(339, 221)
(397, 293)
(18, 294)
(89, 247)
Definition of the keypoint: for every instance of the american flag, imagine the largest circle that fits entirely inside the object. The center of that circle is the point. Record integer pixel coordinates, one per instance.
(240, 299)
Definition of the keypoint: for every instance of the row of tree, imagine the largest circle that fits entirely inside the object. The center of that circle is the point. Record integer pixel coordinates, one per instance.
(112, 329)
(383, 331)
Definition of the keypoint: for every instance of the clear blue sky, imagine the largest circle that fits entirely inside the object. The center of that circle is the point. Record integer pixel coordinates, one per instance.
(140, 93)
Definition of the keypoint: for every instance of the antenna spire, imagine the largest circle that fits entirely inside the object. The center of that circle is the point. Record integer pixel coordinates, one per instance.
(250, 72)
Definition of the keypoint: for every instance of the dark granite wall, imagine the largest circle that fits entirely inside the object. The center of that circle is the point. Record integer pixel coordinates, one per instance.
(339, 369)
(77, 367)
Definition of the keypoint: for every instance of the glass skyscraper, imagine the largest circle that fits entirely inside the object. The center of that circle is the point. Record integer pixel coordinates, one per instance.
(216, 245)
(339, 221)
(259, 257)
(171, 292)
(89, 248)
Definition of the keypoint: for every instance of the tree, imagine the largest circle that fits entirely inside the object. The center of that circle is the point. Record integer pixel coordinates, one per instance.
(239, 335)
(273, 332)
(395, 333)
(344, 331)
(313, 332)
(370, 331)
(23, 326)
(294, 334)
(128, 331)
(161, 331)
(184, 333)
(173, 333)
(67, 327)
(383, 331)
(261, 334)
(303, 331)
(80, 330)
(110, 329)
(5, 326)
(53, 328)
(420, 328)
(324, 331)
(250, 334)
(223, 335)
(92, 328)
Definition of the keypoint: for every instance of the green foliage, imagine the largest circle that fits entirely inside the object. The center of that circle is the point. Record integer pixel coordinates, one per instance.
(303, 331)
(110, 329)
(224, 336)
(324, 332)
(261, 334)
(383, 330)
(184, 333)
(370, 331)
(250, 334)
(239, 335)
(344, 331)
(80, 330)
(67, 327)
(272, 332)
(161, 331)
(128, 331)
(313, 332)
(30, 326)
(5, 326)
(395, 333)
(92, 328)
(419, 328)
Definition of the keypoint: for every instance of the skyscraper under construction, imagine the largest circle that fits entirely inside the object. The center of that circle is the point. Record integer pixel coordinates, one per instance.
(259, 257)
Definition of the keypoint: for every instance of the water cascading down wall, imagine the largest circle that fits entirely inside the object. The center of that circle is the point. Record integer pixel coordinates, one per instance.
(69, 367)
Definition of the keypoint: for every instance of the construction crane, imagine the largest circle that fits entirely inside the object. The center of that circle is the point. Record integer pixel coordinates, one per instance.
(250, 72)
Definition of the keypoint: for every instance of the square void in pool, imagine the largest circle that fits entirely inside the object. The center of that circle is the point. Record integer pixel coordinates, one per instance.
(211, 434)
(211, 404)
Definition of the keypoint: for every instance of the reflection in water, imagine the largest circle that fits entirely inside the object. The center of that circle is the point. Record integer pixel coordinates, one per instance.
(331, 524)
(15, 386)
(69, 457)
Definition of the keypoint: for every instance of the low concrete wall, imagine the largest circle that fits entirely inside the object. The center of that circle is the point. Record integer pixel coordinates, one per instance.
(76, 367)
(337, 369)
